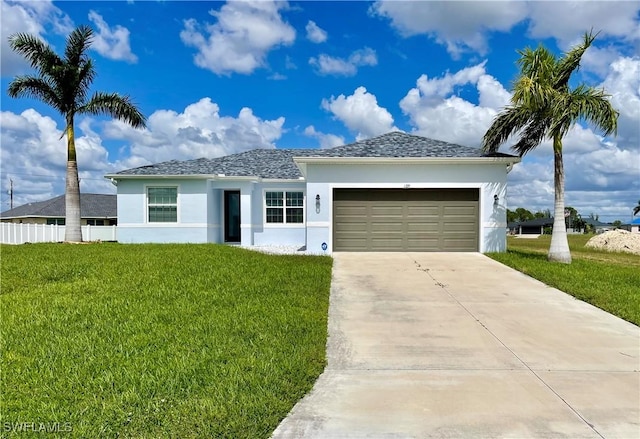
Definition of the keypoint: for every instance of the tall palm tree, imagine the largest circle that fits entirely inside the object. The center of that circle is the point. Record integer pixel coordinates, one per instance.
(63, 83)
(636, 210)
(544, 106)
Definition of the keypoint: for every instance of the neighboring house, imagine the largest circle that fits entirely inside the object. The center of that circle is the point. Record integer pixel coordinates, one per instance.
(395, 192)
(536, 226)
(95, 210)
(633, 226)
(532, 227)
(597, 226)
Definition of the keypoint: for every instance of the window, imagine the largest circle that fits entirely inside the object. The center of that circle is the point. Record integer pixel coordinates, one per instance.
(162, 203)
(95, 222)
(284, 207)
(55, 221)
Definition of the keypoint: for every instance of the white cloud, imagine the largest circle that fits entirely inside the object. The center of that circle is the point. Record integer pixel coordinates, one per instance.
(199, 131)
(566, 21)
(465, 26)
(360, 113)
(326, 140)
(328, 65)
(459, 25)
(111, 42)
(34, 157)
(598, 59)
(34, 18)
(623, 84)
(594, 166)
(240, 40)
(436, 111)
(34, 154)
(314, 33)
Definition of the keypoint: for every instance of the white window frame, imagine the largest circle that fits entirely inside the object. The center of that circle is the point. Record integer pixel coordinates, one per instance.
(147, 205)
(284, 222)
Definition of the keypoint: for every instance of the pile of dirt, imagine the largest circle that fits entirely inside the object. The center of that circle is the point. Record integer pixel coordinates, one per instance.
(616, 241)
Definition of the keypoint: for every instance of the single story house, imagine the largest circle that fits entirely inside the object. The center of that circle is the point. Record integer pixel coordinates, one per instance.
(95, 210)
(395, 192)
(536, 226)
(633, 226)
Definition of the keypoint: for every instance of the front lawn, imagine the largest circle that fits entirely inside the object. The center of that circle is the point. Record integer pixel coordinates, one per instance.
(610, 281)
(149, 341)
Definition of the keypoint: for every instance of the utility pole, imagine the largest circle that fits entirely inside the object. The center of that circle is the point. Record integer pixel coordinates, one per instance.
(11, 192)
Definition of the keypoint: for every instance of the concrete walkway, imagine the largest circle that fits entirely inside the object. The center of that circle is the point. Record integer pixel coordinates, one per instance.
(456, 345)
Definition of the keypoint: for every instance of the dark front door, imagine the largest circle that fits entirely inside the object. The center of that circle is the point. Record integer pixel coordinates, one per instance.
(231, 216)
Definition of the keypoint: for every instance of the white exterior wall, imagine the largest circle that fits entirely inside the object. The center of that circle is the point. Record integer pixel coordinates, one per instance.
(276, 234)
(489, 178)
(193, 222)
(200, 213)
(253, 229)
(200, 203)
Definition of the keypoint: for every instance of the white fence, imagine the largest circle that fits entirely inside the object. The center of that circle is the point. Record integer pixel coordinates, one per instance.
(13, 233)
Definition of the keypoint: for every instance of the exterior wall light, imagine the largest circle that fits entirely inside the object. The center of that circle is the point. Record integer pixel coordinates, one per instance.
(318, 203)
(496, 199)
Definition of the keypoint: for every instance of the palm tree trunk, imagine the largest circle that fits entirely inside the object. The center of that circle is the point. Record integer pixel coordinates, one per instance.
(559, 249)
(72, 231)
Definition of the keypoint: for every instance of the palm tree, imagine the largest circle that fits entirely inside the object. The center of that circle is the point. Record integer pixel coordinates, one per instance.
(636, 209)
(63, 83)
(543, 106)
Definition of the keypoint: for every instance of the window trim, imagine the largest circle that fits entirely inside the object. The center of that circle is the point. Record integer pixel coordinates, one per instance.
(284, 223)
(146, 204)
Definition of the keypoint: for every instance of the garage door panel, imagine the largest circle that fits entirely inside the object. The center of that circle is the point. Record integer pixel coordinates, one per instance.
(457, 210)
(405, 220)
(458, 243)
(423, 227)
(432, 244)
(387, 244)
(348, 229)
(391, 228)
(413, 210)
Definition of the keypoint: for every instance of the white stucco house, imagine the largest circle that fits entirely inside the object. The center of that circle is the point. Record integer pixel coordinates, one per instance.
(395, 192)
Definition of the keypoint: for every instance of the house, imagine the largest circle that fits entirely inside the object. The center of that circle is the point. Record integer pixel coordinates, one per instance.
(535, 226)
(395, 192)
(95, 210)
(633, 226)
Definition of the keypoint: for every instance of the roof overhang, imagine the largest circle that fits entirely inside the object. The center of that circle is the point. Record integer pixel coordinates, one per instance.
(217, 177)
(303, 162)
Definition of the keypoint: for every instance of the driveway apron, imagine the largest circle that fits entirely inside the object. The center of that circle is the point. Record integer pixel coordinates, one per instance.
(456, 345)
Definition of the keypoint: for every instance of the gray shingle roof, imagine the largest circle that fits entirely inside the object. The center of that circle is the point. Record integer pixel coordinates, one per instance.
(278, 163)
(91, 206)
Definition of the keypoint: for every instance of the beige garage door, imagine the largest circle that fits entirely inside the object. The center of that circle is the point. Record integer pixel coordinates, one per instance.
(405, 219)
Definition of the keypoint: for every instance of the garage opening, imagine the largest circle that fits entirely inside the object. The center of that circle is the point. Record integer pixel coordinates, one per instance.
(421, 220)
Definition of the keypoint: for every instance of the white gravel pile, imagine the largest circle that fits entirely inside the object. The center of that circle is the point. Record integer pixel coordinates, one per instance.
(616, 241)
(280, 249)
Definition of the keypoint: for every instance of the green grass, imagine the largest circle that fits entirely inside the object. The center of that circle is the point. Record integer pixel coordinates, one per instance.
(608, 280)
(153, 341)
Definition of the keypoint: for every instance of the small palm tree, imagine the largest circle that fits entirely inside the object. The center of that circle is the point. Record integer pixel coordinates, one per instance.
(543, 106)
(63, 83)
(636, 209)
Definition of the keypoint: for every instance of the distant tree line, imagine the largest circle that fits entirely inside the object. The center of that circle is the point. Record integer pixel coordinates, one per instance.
(572, 218)
(521, 214)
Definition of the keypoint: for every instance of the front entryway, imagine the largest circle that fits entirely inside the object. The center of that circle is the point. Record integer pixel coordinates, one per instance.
(231, 216)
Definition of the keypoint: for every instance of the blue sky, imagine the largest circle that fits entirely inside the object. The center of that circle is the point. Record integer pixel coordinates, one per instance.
(215, 78)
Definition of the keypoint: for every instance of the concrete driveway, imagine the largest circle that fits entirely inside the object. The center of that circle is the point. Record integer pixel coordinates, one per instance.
(456, 345)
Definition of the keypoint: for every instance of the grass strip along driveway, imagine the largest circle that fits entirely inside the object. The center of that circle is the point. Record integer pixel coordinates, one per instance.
(110, 340)
(607, 280)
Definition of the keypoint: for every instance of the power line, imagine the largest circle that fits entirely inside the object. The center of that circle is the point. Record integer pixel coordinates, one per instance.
(51, 176)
